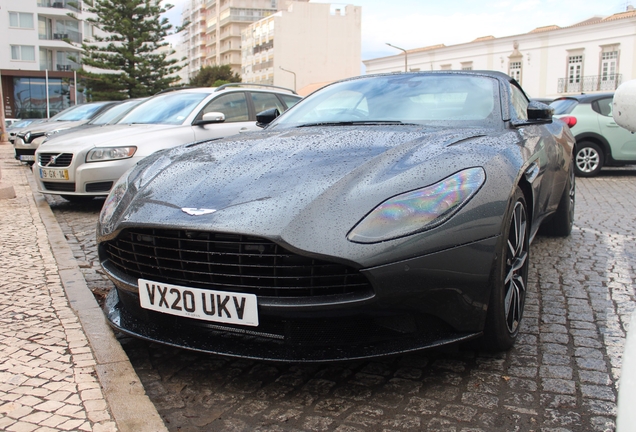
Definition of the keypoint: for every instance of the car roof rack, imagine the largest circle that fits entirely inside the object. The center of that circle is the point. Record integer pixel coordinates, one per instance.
(171, 89)
(253, 84)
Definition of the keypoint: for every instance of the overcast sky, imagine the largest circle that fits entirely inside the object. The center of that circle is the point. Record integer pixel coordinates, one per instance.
(413, 24)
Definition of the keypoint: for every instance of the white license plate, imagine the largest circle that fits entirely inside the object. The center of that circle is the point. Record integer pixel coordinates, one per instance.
(207, 305)
(57, 174)
(27, 158)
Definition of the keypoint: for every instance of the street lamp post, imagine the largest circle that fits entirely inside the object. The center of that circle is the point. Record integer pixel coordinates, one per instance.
(406, 62)
(290, 73)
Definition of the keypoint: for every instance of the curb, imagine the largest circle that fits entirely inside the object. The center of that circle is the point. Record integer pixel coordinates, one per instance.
(130, 406)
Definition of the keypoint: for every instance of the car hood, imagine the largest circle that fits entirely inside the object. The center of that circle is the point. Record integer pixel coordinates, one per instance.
(103, 136)
(270, 184)
(53, 125)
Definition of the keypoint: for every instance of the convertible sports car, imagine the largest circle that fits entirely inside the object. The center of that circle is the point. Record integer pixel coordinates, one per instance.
(380, 215)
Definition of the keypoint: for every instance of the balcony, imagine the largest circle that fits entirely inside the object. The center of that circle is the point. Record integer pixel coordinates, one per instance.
(62, 67)
(590, 83)
(61, 4)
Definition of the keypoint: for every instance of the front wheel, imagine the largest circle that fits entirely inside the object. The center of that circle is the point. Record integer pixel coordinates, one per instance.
(508, 290)
(588, 159)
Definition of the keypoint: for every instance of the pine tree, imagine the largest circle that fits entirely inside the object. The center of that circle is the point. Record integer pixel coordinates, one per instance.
(129, 53)
(214, 76)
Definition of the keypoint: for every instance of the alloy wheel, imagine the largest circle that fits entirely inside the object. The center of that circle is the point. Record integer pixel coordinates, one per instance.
(587, 159)
(516, 268)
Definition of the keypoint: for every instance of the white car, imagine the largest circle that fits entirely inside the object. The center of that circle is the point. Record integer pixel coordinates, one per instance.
(85, 164)
(27, 140)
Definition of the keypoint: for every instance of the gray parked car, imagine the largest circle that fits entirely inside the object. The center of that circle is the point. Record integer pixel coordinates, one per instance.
(28, 140)
(380, 215)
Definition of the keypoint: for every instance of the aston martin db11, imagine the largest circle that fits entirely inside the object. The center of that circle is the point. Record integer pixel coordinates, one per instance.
(380, 215)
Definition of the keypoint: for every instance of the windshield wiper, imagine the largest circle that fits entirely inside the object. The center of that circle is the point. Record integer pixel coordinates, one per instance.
(358, 122)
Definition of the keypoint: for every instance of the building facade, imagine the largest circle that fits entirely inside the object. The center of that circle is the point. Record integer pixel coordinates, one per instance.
(305, 44)
(39, 52)
(214, 34)
(595, 55)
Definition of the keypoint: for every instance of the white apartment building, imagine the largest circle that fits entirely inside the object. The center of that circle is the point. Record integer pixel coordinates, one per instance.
(36, 56)
(214, 34)
(592, 56)
(308, 43)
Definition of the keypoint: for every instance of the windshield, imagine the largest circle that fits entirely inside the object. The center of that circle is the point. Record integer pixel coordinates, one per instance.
(168, 108)
(81, 112)
(116, 112)
(563, 106)
(433, 99)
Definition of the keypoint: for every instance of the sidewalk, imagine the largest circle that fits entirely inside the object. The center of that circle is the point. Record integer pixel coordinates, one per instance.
(60, 366)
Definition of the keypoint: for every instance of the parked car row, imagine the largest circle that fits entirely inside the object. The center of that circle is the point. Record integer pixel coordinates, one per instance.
(82, 152)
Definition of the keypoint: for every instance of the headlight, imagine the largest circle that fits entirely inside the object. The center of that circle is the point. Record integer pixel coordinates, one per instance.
(115, 196)
(418, 210)
(101, 154)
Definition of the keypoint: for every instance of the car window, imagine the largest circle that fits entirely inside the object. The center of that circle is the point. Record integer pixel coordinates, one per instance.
(519, 103)
(233, 105)
(167, 108)
(82, 112)
(603, 107)
(114, 113)
(264, 101)
(563, 106)
(289, 100)
(419, 99)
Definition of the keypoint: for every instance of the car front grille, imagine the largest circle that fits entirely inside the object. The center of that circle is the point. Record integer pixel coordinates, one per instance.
(228, 262)
(51, 160)
(59, 187)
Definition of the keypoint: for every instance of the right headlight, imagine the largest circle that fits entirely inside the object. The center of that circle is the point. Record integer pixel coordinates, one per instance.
(101, 154)
(418, 210)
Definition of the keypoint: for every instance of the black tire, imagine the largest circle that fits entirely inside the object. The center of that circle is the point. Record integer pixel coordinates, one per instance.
(560, 224)
(78, 198)
(508, 290)
(588, 159)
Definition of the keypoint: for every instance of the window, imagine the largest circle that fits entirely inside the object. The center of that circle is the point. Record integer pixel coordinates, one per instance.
(603, 107)
(608, 65)
(467, 65)
(445, 67)
(290, 101)
(21, 20)
(23, 52)
(233, 105)
(575, 68)
(264, 101)
(514, 70)
(519, 103)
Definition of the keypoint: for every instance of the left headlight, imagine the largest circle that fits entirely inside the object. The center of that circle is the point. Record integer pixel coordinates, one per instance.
(418, 210)
(101, 154)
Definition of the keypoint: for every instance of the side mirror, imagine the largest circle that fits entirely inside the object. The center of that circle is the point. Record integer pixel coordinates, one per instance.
(538, 111)
(266, 117)
(209, 118)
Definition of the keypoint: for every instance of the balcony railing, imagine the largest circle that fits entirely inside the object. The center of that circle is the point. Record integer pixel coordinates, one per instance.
(590, 83)
(61, 4)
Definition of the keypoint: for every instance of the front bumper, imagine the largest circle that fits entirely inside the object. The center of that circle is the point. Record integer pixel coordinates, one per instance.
(424, 302)
(85, 179)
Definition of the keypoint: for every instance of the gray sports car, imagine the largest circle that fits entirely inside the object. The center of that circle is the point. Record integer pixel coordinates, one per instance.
(380, 215)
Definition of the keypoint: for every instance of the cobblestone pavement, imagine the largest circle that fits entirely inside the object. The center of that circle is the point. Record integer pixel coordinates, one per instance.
(562, 375)
(47, 374)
